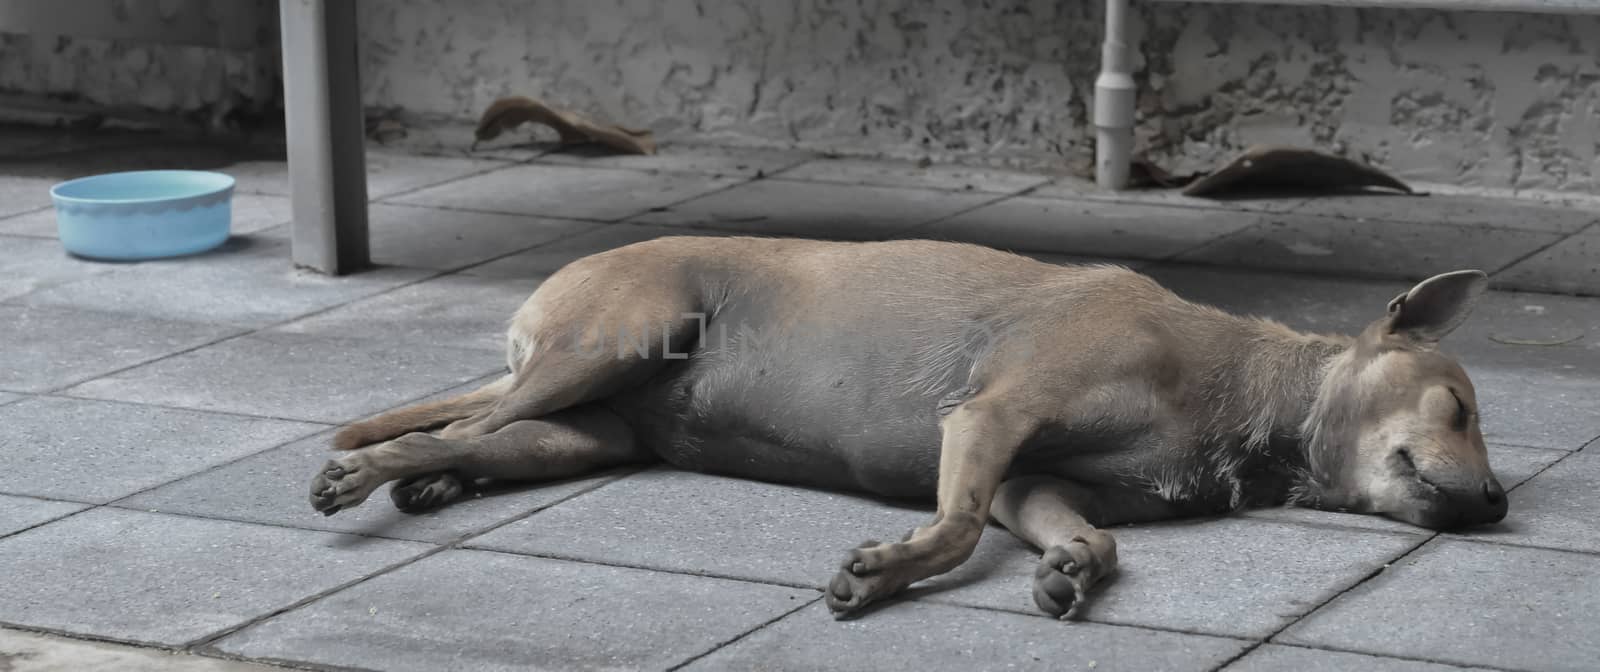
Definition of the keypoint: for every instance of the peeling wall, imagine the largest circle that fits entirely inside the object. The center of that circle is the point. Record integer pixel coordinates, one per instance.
(1499, 100)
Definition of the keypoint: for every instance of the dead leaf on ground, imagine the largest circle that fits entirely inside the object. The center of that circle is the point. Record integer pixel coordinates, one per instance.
(508, 113)
(1267, 168)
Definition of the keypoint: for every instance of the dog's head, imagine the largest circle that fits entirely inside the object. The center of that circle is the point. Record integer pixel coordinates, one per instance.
(1394, 429)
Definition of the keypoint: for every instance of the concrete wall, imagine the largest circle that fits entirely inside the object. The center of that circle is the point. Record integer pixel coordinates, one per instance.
(198, 58)
(1474, 99)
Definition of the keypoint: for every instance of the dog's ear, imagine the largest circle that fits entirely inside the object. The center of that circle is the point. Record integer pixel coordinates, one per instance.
(1436, 306)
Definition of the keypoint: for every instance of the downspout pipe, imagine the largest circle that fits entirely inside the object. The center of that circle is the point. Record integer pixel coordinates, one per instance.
(1114, 98)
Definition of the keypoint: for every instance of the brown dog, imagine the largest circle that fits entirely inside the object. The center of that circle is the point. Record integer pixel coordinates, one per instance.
(1055, 400)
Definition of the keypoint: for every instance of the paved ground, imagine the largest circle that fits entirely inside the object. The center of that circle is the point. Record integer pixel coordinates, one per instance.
(159, 423)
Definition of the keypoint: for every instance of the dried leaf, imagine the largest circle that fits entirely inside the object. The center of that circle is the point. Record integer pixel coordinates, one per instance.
(508, 113)
(1266, 168)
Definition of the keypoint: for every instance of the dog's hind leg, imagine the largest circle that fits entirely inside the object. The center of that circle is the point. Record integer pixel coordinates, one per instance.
(568, 443)
(981, 436)
(420, 417)
(1059, 518)
(590, 330)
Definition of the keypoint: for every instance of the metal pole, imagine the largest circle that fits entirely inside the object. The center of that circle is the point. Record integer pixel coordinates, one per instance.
(1114, 97)
(326, 139)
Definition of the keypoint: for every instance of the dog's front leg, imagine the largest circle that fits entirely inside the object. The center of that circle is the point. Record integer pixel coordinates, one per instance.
(981, 437)
(1059, 518)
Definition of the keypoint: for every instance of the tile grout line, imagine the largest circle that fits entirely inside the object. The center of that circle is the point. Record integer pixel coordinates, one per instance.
(735, 639)
(428, 274)
(93, 506)
(1042, 615)
(996, 200)
(1295, 621)
(1265, 219)
(133, 644)
(149, 404)
(1358, 276)
(1508, 266)
(518, 515)
(206, 642)
(737, 181)
(1391, 656)
(642, 568)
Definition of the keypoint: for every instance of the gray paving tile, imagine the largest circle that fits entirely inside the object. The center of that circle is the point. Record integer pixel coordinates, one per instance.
(271, 488)
(1538, 408)
(1468, 211)
(251, 213)
(1274, 657)
(170, 580)
(684, 522)
(1133, 231)
(1469, 604)
(1294, 514)
(546, 259)
(30, 264)
(96, 451)
(459, 311)
(917, 637)
(33, 652)
(1072, 259)
(1233, 576)
(1368, 248)
(295, 376)
(1534, 395)
(21, 513)
(1556, 509)
(21, 194)
(490, 611)
(253, 285)
(783, 207)
(387, 173)
(604, 194)
(1506, 328)
(1086, 190)
(419, 237)
(1571, 266)
(1512, 465)
(672, 158)
(47, 348)
(905, 174)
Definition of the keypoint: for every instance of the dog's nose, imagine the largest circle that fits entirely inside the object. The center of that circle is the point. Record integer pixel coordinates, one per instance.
(1493, 492)
(1494, 502)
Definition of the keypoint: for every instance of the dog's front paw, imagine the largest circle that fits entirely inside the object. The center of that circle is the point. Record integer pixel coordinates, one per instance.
(1064, 577)
(341, 484)
(863, 578)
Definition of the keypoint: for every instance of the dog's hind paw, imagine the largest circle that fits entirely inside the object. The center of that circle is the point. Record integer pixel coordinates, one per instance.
(425, 493)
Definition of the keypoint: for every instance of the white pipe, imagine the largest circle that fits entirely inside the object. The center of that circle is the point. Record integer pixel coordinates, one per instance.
(1114, 98)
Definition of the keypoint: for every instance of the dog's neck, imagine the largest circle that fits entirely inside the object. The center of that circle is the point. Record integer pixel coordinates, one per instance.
(1261, 387)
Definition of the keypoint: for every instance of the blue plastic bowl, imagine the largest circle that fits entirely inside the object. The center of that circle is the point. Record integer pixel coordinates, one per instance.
(146, 214)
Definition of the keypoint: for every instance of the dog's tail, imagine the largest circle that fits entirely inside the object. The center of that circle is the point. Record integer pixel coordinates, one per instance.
(421, 417)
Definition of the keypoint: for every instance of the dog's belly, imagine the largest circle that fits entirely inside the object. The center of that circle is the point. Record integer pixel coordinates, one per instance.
(795, 412)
